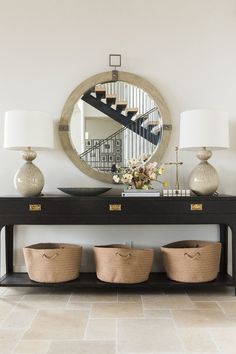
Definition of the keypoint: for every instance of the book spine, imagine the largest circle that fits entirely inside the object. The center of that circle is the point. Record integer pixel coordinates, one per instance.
(140, 194)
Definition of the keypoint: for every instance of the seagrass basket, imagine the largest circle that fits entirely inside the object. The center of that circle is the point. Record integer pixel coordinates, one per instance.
(192, 261)
(52, 262)
(121, 264)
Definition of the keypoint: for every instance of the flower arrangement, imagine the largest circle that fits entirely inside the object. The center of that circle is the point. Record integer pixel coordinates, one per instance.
(138, 174)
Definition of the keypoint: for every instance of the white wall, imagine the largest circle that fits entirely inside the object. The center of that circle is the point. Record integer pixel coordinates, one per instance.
(186, 48)
(101, 128)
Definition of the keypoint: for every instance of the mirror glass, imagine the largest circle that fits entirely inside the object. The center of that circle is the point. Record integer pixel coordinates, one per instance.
(110, 123)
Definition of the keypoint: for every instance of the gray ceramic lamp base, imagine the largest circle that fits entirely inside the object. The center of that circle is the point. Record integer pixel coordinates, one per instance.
(204, 179)
(29, 180)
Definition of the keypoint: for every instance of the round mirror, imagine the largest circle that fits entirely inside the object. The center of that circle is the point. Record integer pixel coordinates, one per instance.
(111, 118)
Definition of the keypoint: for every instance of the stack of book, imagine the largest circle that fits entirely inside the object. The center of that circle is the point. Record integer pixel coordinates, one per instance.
(140, 193)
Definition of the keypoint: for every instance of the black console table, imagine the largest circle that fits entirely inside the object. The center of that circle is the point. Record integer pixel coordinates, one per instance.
(115, 210)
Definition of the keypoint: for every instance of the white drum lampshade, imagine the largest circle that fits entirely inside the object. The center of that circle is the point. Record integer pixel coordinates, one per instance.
(28, 131)
(200, 130)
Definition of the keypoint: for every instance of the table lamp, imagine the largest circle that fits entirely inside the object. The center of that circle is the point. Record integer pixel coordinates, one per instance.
(204, 130)
(28, 131)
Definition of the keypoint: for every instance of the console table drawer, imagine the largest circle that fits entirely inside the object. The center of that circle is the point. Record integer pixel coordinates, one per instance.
(154, 206)
(101, 207)
(112, 210)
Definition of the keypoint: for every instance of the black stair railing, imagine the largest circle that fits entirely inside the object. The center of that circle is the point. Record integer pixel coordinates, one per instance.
(136, 128)
(126, 121)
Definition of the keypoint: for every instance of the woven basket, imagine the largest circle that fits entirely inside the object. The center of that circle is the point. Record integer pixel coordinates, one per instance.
(192, 261)
(121, 264)
(52, 262)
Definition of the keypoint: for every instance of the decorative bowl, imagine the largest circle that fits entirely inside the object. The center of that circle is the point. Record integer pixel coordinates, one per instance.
(84, 191)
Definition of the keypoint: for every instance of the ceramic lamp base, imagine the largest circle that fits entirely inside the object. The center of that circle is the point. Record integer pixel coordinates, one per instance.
(204, 178)
(29, 180)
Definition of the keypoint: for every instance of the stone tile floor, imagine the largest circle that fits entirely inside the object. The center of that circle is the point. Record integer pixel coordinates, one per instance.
(44, 321)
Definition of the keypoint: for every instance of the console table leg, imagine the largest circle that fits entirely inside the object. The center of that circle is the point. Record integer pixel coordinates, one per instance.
(224, 248)
(233, 229)
(9, 248)
(1, 252)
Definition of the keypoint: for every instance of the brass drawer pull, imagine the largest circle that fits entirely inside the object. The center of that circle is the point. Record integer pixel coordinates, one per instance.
(196, 207)
(35, 207)
(114, 207)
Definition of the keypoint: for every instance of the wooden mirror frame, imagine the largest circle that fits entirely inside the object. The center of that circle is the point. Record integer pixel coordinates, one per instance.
(64, 124)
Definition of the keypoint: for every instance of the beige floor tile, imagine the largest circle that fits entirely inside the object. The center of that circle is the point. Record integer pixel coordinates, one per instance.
(9, 339)
(60, 291)
(37, 301)
(157, 314)
(79, 306)
(58, 323)
(26, 291)
(101, 329)
(225, 339)
(207, 305)
(7, 346)
(82, 347)
(229, 308)
(93, 297)
(225, 294)
(19, 319)
(116, 310)
(215, 298)
(202, 318)
(2, 291)
(178, 301)
(147, 336)
(129, 297)
(5, 308)
(32, 347)
(223, 290)
(11, 298)
(197, 340)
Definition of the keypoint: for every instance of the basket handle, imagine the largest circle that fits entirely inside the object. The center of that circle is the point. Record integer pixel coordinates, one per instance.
(195, 256)
(50, 257)
(123, 255)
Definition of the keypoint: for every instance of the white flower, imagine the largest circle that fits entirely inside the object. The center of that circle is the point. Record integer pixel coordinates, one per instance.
(161, 170)
(133, 162)
(139, 172)
(127, 178)
(152, 176)
(116, 178)
(152, 165)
